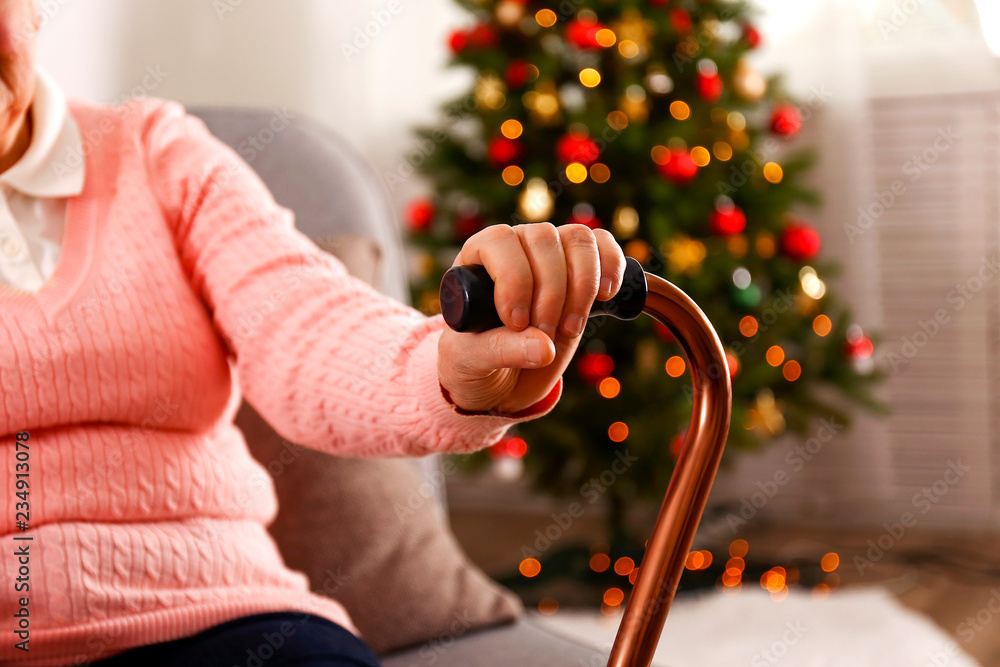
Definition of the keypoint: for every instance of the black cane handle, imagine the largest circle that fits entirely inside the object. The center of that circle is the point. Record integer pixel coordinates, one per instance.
(468, 307)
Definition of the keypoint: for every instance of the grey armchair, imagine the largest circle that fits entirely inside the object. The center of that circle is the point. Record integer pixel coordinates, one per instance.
(335, 195)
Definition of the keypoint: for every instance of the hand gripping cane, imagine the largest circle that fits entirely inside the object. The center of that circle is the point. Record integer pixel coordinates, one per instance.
(467, 305)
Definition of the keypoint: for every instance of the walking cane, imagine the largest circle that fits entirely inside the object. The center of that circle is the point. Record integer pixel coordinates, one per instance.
(467, 306)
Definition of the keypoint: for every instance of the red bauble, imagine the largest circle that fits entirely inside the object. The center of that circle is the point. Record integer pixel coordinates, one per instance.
(583, 34)
(517, 73)
(679, 169)
(800, 242)
(786, 120)
(726, 223)
(677, 444)
(503, 151)
(663, 332)
(751, 35)
(574, 147)
(862, 349)
(709, 86)
(458, 41)
(589, 220)
(482, 37)
(466, 226)
(595, 367)
(419, 215)
(681, 21)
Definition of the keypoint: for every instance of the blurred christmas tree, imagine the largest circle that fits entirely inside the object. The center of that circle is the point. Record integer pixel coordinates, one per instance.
(644, 117)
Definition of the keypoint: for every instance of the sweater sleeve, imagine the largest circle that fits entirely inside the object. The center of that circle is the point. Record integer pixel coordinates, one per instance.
(327, 360)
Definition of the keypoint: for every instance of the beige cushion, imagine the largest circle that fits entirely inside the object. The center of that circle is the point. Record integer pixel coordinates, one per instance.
(367, 534)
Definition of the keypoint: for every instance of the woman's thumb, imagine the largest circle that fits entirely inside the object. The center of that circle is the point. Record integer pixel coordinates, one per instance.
(506, 348)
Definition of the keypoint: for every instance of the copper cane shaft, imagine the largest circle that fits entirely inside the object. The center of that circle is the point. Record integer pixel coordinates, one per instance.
(694, 473)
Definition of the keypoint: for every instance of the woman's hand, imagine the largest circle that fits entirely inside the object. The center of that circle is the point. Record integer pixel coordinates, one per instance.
(546, 278)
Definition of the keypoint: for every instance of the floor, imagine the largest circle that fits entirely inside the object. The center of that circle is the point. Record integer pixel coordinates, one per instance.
(952, 579)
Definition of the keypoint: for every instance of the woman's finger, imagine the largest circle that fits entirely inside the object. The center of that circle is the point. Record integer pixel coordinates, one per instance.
(543, 247)
(583, 272)
(499, 249)
(612, 264)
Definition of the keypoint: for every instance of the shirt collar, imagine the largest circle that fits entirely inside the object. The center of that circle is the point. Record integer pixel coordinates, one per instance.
(44, 170)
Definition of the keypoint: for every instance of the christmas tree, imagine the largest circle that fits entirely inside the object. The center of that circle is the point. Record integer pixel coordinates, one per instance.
(644, 117)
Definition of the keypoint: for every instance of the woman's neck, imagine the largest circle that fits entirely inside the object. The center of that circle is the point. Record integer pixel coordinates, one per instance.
(15, 144)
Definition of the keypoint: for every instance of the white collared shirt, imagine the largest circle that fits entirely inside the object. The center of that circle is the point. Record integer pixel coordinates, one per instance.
(34, 190)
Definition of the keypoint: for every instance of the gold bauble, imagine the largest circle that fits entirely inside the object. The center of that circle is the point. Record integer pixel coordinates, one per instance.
(490, 92)
(509, 13)
(637, 111)
(536, 202)
(769, 416)
(647, 357)
(430, 303)
(543, 103)
(625, 222)
(684, 255)
(633, 32)
(748, 82)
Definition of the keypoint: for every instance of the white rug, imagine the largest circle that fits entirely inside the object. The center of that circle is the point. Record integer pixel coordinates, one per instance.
(851, 628)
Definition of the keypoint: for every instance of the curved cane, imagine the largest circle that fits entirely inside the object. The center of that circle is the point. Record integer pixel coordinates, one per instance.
(467, 305)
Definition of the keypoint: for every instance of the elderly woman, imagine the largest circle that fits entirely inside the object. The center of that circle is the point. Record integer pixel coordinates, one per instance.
(137, 255)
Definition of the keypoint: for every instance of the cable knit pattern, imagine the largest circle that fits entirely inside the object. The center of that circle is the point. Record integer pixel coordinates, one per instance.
(182, 284)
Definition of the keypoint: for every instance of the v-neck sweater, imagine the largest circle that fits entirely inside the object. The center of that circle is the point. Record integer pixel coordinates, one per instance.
(182, 287)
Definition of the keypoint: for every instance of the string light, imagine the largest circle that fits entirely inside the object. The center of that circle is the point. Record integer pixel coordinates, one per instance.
(675, 366)
(792, 371)
(609, 387)
(511, 129)
(748, 326)
(830, 562)
(605, 37)
(548, 606)
(618, 431)
(773, 172)
(628, 48)
(599, 172)
(576, 172)
(739, 548)
(775, 355)
(701, 156)
(613, 597)
(618, 120)
(680, 110)
(600, 562)
(546, 18)
(590, 77)
(765, 246)
(624, 566)
(513, 175)
(530, 567)
(722, 150)
(822, 325)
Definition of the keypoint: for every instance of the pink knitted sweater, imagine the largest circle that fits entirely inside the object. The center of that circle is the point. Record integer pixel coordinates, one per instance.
(180, 280)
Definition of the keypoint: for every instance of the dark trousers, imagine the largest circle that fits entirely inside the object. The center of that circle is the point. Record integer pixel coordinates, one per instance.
(278, 639)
